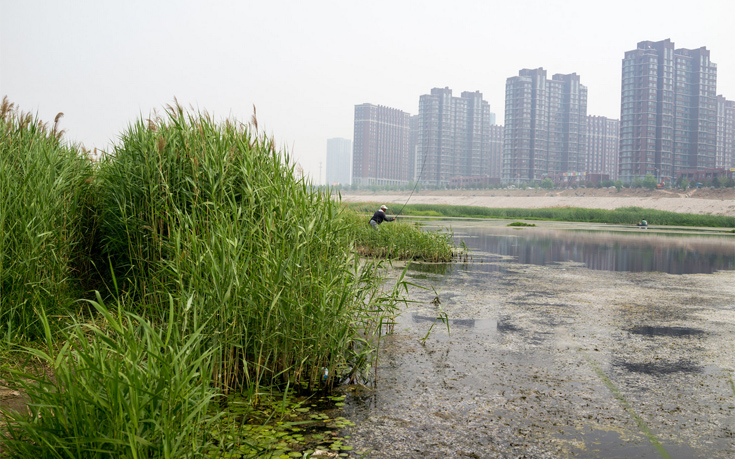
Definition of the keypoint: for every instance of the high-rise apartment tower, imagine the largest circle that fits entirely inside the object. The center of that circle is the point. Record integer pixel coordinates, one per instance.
(545, 125)
(381, 150)
(453, 137)
(668, 111)
(725, 150)
(339, 161)
(496, 151)
(603, 141)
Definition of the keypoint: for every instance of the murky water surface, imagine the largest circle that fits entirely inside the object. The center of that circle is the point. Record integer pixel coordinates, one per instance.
(598, 248)
(573, 341)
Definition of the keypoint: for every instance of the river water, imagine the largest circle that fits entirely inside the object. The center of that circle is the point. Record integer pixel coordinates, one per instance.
(564, 340)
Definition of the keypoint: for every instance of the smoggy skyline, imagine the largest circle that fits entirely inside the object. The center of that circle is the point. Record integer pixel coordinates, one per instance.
(305, 65)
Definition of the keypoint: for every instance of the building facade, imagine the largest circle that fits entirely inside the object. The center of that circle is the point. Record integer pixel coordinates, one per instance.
(725, 149)
(453, 138)
(668, 114)
(339, 161)
(545, 126)
(603, 142)
(412, 145)
(496, 151)
(381, 151)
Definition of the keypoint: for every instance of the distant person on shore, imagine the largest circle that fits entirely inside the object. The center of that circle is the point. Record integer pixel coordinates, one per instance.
(643, 224)
(380, 217)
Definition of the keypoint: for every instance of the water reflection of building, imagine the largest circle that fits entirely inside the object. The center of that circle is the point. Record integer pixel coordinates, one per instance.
(607, 251)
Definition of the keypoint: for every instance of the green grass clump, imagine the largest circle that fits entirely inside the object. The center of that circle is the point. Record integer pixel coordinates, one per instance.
(621, 216)
(521, 224)
(123, 389)
(44, 193)
(400, 240)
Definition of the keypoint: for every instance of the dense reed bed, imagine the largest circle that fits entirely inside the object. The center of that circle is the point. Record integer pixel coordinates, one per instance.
(228, 274)
(622, 216)
(400, 240)
(213, 216)
(44, 225)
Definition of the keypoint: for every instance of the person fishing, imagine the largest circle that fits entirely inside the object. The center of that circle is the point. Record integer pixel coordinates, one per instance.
(380, 217)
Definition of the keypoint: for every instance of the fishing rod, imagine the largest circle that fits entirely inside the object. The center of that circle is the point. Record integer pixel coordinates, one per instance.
(421, 173)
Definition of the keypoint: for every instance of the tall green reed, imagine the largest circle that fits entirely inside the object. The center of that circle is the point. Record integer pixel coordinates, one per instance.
(123, 388)
(44, 229)
(213, 214)
(400, 240)
(196, 219)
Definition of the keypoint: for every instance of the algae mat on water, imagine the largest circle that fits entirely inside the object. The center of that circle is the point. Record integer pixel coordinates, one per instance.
(514, 378)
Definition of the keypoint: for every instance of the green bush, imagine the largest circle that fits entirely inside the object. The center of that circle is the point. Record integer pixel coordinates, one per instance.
(649, 181)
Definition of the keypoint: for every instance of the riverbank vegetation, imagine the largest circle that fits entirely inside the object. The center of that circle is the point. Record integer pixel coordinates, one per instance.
(188, 265)
(400, 240)
(620, 216)
(44, 223)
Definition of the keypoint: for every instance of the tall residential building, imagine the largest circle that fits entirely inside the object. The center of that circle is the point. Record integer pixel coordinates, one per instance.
(725, 150)
(492, 119)
(603, 141)
(339, 161)
(413, 145)
(453, 137)
(381, 150)
(496, 151)
(545, 125)
(668, 111)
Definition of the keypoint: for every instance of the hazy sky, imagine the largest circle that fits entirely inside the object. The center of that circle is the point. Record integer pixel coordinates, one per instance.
(306, 64)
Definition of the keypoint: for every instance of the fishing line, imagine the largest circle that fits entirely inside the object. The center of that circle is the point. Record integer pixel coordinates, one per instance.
(421, 173)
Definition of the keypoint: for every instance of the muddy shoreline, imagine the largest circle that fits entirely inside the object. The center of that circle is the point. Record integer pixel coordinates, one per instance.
(556, 361)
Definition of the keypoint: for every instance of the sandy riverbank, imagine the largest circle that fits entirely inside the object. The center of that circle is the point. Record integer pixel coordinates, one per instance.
(714, 202)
